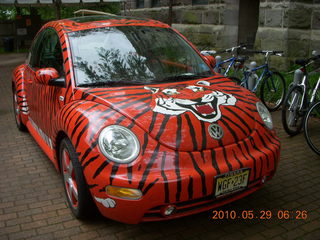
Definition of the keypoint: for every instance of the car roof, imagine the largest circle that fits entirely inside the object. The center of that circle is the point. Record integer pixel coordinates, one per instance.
(98, 21)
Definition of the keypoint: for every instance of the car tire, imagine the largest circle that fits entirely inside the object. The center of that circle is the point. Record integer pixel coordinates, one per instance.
(16, 111)
(77, 193)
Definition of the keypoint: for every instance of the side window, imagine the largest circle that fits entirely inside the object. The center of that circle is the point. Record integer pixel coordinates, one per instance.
(48, 53)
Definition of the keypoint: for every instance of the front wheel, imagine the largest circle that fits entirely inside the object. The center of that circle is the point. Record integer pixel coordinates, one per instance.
(17, 112)
(292, 114)
(75, 186)
(312, 127)
(272, 91)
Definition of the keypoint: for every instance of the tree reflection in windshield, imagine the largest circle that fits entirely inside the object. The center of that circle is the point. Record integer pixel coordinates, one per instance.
(132, 54)
(112, 65)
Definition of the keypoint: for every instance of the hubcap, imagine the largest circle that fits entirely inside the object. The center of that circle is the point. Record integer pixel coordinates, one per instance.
(69, 179)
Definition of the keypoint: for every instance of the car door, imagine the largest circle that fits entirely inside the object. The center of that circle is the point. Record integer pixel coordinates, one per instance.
(45, 100)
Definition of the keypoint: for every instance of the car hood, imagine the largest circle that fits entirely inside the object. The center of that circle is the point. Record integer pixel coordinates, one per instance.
(184, 116)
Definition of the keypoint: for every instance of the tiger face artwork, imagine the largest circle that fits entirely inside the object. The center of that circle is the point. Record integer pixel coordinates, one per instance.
(201, 101)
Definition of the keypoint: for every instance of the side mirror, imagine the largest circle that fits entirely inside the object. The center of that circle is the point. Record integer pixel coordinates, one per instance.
(44, 75)
(210, 60)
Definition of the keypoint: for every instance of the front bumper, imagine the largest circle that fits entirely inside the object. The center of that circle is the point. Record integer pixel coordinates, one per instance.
(193, 190)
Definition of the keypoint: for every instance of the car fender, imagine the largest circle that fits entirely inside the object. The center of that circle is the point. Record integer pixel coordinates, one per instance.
(18, 82)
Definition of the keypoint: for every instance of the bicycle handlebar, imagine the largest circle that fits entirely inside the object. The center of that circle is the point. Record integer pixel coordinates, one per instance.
(272, 52)
(305, 61)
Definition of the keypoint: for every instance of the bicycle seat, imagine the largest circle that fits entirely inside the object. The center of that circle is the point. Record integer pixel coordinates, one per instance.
(301, 62)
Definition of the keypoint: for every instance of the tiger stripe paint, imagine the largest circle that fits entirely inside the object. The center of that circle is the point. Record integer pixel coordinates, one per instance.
(178, 159)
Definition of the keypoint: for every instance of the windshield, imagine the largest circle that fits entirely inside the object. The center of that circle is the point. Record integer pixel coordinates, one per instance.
(133, 55)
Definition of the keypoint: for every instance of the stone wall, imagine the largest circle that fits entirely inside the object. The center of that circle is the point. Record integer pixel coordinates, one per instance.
(289, 25)
(211, 25)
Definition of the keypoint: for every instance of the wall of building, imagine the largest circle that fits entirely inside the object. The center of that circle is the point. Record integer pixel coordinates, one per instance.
(209, 25)
(289, 25)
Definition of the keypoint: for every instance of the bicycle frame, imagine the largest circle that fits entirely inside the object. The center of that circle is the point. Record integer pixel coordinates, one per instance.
(232, 60)
(304, 85)
(249, 72)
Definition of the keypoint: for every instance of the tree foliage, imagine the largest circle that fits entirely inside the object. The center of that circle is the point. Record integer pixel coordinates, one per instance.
(48, 13)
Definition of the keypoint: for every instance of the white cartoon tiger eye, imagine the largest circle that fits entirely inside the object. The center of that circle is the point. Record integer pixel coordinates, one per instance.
(170, 91)
(205, 83)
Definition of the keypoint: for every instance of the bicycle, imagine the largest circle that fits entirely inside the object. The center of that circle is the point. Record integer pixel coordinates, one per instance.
(312, 127)
(273, 86)
(299, 98)
(236, 62)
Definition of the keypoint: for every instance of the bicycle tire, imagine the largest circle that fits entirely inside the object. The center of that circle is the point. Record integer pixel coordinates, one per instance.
(292, 121)
(275, 101)
(312, 127)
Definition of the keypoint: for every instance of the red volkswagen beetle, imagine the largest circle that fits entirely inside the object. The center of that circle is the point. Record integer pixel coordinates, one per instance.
(138, 123)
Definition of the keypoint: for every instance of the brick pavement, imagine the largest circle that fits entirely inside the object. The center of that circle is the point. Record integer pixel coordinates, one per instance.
(32, 203)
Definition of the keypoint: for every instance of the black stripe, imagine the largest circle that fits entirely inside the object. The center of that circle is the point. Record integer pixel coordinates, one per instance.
(100, 168)
(119, 120)
(92, 186)
(153, 120)
(165, 179)
(148, 168)
(225, 155)
(120, 96)
(192, 133)
(235, 156)
(140, 100)
(214, 161)
(201, 173)
(233, 133)
(145, 143)
(162, 127)
(93, 145)
(204, 136)
(266, 146)
(178, 134)
(150, 185)
(190, 188)
(129, 174)
(240, 118)
(230, 120)
(89, 161)
(113, 172)
(177, 170)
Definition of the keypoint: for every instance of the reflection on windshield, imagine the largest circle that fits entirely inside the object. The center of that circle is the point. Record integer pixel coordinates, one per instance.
(132, 55)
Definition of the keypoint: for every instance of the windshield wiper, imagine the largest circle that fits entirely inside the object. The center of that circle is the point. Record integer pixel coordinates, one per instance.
(183, 77)
(94, 84)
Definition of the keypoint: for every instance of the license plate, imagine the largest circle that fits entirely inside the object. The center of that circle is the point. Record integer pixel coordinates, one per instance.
(231, 182)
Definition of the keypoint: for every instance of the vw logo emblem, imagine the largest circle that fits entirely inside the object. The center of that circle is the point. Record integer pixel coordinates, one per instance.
(215, 131)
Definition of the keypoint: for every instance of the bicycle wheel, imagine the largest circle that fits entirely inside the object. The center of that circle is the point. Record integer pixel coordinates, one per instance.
(272, 91)
(312, 127)
(292, 117)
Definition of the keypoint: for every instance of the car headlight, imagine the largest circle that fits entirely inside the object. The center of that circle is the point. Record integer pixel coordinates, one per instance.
(119, 144)
(265, 115)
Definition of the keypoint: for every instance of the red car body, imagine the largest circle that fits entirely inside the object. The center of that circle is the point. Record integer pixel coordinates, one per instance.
(178, 161)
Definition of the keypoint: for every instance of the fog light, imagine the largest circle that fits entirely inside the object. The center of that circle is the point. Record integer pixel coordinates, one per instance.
(264, 179)
(168, 210)
(125, 193)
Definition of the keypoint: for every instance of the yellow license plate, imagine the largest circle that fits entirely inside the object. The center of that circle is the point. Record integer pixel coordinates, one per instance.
(231, 182)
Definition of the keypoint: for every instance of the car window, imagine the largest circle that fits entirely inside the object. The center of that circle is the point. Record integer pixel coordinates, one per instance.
(48, 52)
(133, 55)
